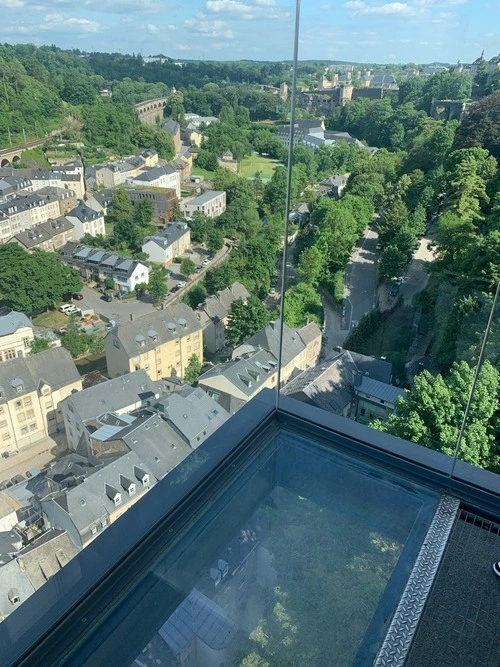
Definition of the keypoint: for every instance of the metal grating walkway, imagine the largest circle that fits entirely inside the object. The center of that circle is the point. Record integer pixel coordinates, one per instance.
(460, 625)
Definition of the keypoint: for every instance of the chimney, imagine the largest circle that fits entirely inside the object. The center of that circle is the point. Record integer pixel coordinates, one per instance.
(356, 378)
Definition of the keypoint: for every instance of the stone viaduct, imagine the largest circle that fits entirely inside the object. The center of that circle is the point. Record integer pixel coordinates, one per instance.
(150, 110)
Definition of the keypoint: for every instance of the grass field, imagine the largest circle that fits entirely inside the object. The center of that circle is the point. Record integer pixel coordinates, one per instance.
(249, 166)
(52, 318)
(197, 171)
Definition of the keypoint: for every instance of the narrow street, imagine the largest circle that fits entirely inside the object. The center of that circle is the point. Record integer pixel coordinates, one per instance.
(360, 292)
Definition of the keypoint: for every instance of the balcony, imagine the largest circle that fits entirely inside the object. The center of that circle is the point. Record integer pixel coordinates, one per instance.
(290, 536)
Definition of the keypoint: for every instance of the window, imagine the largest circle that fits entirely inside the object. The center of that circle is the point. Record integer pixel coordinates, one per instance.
(24, 430)
(30, 414)
(10, 354)
(21, 417)
(48, 404)
(5, 437)
(1, 410)
(19, 405)
(26, 343)
(33, 426)
(3, 423)
(93, 530)
(104, 523)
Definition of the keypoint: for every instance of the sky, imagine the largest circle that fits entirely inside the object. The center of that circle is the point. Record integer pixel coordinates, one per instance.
(420, 31)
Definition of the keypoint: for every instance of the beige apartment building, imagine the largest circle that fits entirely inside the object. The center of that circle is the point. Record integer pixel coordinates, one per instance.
(31, 389)
(16, 334)
(211, 203)
(161, 343)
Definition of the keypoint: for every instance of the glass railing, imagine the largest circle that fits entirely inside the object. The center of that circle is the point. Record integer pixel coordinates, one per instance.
(354, 269)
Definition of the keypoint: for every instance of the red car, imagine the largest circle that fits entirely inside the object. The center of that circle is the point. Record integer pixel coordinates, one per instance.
(77, 296)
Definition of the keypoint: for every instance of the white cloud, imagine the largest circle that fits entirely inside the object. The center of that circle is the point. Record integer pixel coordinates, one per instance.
(183, 47)
(265, 9)
(203, 25)
(152, 28)
(59, 21)
(171, 26)
(12, 4)
(388, 8)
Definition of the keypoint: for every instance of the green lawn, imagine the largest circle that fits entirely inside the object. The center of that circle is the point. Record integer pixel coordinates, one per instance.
(52, 318)
(249, 166)
(198, 171)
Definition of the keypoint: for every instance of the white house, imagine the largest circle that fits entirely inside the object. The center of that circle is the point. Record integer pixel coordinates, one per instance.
(171, 242)
(165, 176)
(86, 221)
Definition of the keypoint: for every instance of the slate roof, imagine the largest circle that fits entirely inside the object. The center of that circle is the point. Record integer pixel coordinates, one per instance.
(170, 126)
(217, 306)
(378, 369)
(331, 384)
(11, 321)
(55, 367)
(171, 233)
(294, 340)
(84, 213)
(336, 180)
(112, 395)
(384, 392)
(204, 198)
(154, 173)
(198, 616)
(13, 581)
(43, 232)
(241, 377)
(328, 386)
(156, 443)
(193, 413)
(45, 556)
(88, 502)
(138, 336)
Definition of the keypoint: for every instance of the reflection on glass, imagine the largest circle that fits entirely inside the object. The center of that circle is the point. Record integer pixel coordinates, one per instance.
(289, 566)
(477, 387)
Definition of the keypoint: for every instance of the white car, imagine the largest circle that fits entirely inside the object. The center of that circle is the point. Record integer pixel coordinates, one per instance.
(68, 308)
(182, 283)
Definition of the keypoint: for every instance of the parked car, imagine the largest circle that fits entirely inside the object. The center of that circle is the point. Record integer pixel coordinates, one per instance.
(175, 289)
(198, 268)
(399, 280)
(68, 308)
(394, 290)
(107, 297)
(32, 472)
(182, 283)
(77, 296)
(121, 293)
(17, 479)
(206, 261)
(272, 290)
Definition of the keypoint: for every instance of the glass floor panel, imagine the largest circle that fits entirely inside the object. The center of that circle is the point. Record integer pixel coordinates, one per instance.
(300, 560)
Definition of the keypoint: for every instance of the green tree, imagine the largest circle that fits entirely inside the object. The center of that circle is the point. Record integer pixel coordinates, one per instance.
(196, 295)
(143, 212)
(215, 240)
(120, 208)
(206, 160)
(157, 287)
(392, 262)
(75, 340)
(146, 136)
(187, 267)
(302, 305)
(433, 412)
(39, 344)
(311, 265)
(199, 225)
(31, 282)
(393, 216)
(245, 320)
(193, 370)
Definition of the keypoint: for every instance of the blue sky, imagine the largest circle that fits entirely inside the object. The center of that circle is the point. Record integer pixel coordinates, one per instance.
(359, 30)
